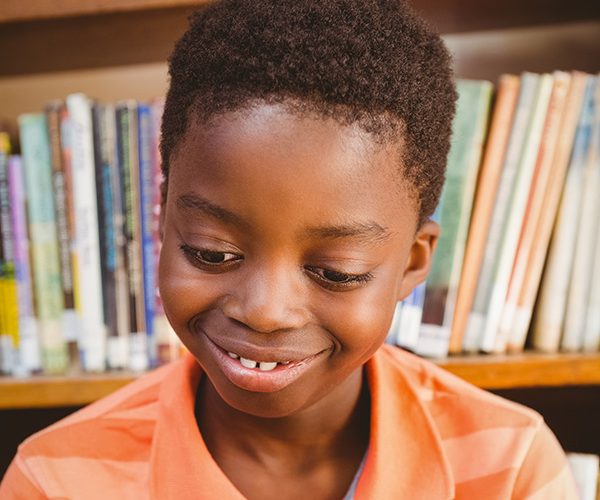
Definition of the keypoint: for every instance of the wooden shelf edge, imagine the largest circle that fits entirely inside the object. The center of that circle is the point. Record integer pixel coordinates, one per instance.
(68, 390)
(488, 372)
(34, 10)
(526, 370)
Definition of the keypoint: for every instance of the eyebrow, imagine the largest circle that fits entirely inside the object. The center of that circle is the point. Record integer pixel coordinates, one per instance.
(367, 232)
(197, 203)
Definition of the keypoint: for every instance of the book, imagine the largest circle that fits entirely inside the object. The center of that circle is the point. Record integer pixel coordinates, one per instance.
(9, 324)
(167, 346)
(552, 297)
(534, 206)
(48, 296)
(535, 263)
(146, 154)
(29, 356)
(55, 112)
(128, 155)
(489, 176)
(585, 244)
(491, 341)
(93, 333)
(591, 332)
(105, 157)
(473, 339)
(468, 129)
(410, 316)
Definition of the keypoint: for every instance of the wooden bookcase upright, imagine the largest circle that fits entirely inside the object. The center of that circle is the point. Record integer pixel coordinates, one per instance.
(114, 49)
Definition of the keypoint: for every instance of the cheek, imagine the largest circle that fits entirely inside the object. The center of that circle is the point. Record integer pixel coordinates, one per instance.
(183, 293)
(361, 321)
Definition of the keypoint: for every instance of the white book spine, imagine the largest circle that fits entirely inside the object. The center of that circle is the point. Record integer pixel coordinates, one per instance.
(585, 246)
(87, 244)
(514, 222)
(550, 312)
(512, 330)
(394, 327)
(474, 332)
(433, 341)
(410, 324)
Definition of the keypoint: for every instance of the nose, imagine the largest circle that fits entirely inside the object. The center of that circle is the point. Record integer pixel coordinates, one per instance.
(268, 299)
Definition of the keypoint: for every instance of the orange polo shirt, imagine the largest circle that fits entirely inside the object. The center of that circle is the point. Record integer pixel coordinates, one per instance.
(433, 436)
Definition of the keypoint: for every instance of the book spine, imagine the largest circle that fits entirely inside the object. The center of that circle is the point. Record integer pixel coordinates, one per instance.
(535, 265)
(409, 326)
(583, 258)
(550, 309)
(9, 330)
(29, 342)
(104, 155)
(511, 328)
(490, 173)
(167, 345)
(146, 189)
(469, 127)
(129, 170)
(118, 347)
(93, 339)
(478, 315)
(44, 245)
(591, 333)
(54, 111)
(491, 342)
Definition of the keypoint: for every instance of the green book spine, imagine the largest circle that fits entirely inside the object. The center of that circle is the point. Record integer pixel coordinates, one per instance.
(43, 240)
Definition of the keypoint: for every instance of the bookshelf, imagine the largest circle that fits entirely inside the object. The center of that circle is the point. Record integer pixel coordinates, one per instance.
(488, 372)
(114, 49)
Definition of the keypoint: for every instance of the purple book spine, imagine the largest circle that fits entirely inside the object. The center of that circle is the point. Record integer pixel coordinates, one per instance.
(28, 336)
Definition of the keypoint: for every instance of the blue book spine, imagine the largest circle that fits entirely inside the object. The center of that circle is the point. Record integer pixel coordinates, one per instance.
(146, 176)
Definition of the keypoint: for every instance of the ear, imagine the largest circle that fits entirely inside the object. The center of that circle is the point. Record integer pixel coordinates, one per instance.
(419, 259)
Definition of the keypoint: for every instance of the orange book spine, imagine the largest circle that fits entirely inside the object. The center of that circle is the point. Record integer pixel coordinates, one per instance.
(506, 100)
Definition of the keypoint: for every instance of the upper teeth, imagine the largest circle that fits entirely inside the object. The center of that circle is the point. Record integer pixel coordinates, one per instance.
(264, 366)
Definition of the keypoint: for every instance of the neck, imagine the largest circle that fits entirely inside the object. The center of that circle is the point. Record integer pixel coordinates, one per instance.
(333, 427)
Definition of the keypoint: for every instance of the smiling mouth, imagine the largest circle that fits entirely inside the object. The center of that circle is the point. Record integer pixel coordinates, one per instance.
(268, 375)
(263, 366)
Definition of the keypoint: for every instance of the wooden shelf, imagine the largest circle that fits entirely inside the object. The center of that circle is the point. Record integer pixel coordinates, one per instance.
(488, 372)
(38, 36)
(526, 370)
(447, 15)
(19, 10)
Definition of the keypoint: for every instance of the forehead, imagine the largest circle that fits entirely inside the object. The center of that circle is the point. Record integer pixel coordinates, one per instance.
(270, 155)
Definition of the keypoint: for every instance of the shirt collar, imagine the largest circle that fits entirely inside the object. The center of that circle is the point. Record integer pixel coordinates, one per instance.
(404, 459)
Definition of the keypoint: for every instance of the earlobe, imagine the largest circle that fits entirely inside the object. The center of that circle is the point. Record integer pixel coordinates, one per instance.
(419, 260)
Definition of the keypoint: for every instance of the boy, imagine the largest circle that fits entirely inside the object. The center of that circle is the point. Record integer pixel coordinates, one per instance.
(304, 146)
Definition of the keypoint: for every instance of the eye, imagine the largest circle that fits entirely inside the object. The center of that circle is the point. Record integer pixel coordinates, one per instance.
(210, 258)
(336, 280)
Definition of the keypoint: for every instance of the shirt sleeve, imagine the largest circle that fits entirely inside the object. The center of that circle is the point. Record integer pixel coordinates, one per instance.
(545, 472)
(16, 484)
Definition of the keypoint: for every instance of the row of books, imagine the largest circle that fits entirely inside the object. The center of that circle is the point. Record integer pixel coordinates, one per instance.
(518, 260)
(519, 250)
(79, 213)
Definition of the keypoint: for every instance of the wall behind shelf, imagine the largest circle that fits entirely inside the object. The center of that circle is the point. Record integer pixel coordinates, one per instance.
(483, 54)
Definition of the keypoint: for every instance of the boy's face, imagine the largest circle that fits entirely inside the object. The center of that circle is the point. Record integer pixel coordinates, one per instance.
(287, 239)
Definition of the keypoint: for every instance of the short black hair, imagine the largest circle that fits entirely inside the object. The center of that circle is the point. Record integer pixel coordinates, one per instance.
(370, 62)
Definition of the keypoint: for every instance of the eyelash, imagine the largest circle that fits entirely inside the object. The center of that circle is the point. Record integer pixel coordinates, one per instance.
(320, 274)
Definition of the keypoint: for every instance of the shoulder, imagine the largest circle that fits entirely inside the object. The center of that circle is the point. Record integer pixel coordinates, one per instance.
(491, 444)
(466, 408)
(116, 430)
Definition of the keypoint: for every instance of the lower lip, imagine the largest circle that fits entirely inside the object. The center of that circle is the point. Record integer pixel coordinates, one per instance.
(255, 380)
